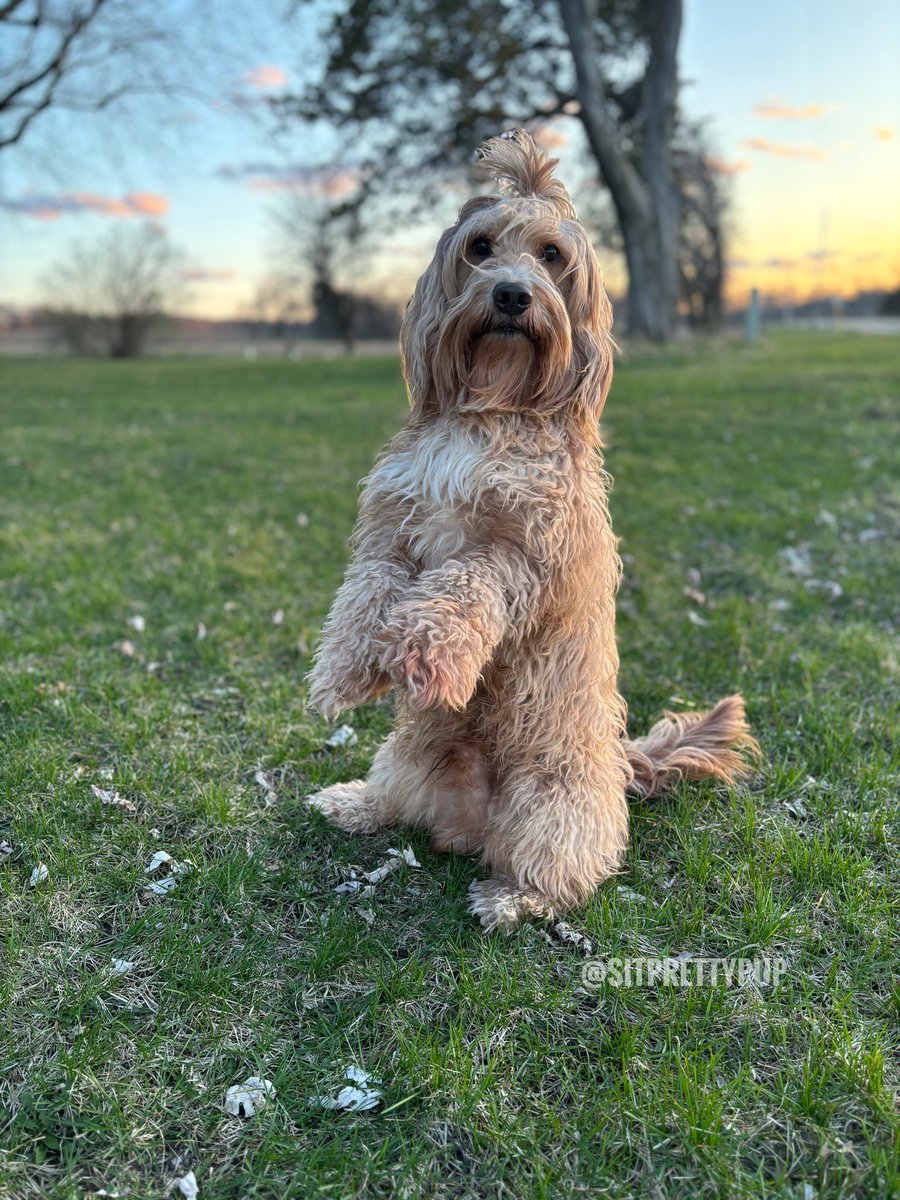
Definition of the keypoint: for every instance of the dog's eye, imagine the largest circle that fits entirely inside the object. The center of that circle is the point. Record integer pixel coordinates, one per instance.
(550, 253)
(481, 247)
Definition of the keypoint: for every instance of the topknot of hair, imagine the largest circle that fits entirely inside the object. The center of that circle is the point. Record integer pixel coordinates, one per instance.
(522, 169)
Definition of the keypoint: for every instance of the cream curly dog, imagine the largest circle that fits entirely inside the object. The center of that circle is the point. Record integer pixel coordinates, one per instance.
(484, 578)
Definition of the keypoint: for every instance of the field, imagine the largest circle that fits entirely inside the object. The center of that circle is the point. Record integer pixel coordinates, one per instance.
(213, 499)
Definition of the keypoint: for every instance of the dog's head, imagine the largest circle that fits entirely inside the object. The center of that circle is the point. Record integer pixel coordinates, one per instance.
(511, 314)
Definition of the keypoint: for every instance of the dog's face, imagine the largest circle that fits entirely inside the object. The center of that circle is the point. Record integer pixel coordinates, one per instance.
(511, 314)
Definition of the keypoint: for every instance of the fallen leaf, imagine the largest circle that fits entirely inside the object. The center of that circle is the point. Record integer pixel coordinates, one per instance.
(343, 736)
(381, 873)
(38, 875)
(113, 799)
(201, 631)
(159, 859)
(126, 647)
(161, 887)
(187, 1185)
(567, 936)
(628, 893)
(695, 618)
(407, 855)
(831, 587)
(826, 518)
(137, 623)
(691, 593)
(360, 1098)
(278, 616)
(121, 966)
(302, 520)
(796, 559)
(244, 1099)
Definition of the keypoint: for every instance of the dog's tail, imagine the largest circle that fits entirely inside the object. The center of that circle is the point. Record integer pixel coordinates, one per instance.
(693, 746)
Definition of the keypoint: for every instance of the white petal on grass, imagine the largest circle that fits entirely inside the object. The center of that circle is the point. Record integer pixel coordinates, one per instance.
(38, 875)
(159, 859)
(694, 594)
(797, 559)
(121, 966)
(126, 647)
(628, 893)
(5, 850)
(302, 520)
(187, 1185)
(565, 934)
(112, 799)
(382, 872)
(161, 887)
(245, 1099)
(357, 1097)
(278, 616)
(407, 855)
(345, 735)
(137, 623)
(696, 619)
(201, 631)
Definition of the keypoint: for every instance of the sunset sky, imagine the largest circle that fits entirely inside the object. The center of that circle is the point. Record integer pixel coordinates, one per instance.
(803, 98)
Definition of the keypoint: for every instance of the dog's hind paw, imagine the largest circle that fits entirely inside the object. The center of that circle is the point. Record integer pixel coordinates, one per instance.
(349, 806)
(503, 906)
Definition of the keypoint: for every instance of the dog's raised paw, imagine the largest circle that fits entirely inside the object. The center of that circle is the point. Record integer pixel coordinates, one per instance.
(349, 806)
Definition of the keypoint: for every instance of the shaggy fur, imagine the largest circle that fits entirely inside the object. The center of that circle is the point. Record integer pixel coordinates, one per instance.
(485, 571)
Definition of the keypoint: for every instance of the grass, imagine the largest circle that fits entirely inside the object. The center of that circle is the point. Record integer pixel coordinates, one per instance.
(222, 494)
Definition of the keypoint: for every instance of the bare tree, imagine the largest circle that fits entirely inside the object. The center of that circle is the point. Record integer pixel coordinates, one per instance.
(415, 86)
(89, 56)
(705, 201)
(107, 295)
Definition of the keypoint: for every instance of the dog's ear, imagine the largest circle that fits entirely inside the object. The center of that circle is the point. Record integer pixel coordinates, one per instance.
(424, 315)
(522, 169)
(591, 315)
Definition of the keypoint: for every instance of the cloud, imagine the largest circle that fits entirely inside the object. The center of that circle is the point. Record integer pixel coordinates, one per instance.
(884, 133)
(333, 183)
(763, 146)
(719, 166)
(207, 274)
(266, 76)
(775, 110)
(51, 207)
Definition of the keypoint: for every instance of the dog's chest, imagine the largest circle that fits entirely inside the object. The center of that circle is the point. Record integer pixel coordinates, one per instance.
(459, 492)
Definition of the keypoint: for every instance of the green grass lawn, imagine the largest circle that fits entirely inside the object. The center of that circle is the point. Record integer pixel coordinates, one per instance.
(218, 496)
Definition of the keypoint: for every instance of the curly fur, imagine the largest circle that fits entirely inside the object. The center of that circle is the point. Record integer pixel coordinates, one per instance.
(485, 573)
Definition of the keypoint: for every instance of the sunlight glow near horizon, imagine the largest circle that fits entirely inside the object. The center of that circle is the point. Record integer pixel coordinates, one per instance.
(803, 100)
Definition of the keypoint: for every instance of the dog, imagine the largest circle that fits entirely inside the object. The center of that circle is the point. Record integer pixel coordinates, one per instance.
(485, 569)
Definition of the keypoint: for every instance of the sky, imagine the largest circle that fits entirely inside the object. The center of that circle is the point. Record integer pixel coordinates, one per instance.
(802, 99)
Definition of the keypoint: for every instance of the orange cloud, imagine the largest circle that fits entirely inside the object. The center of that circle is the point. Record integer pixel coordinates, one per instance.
(51, 207)
(548, 135)
(333, 183)
(763, 146)
(775, 110)
(266, 76)
(719, 166)
(884, 133)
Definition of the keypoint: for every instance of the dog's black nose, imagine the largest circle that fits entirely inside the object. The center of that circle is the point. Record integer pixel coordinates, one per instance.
(511, 298)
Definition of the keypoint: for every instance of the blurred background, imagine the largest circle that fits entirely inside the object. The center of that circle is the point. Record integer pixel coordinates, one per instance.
(270, 178)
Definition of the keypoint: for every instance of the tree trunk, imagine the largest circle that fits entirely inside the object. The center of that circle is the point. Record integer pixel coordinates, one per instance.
(643, 191)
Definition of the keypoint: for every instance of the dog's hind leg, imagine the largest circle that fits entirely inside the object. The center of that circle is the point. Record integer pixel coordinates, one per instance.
(552, 836)
(426, 773)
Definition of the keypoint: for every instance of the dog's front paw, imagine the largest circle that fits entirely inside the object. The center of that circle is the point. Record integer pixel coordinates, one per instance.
(331, 693)
(503, 906)
(432, 653)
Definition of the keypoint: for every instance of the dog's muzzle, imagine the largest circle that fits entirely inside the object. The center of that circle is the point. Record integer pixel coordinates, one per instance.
(511, 299)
